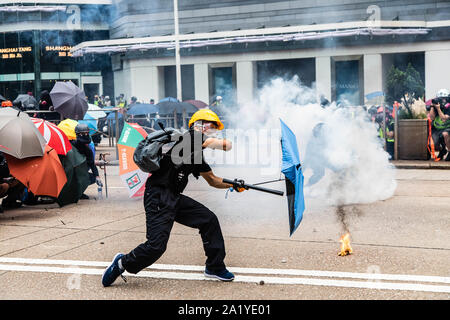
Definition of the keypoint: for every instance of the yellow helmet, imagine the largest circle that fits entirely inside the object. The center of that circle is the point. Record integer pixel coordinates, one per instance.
(206, 115)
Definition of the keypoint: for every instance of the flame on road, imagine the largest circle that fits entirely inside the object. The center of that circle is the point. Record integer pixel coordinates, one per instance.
(346, 248)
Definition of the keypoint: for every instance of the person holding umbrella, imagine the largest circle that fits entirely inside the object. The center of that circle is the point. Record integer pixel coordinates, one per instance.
(82, 142)
(46, 104)
(164, 203)
(10, 187)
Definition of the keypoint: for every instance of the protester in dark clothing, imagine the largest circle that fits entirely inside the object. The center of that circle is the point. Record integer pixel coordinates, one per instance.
(164, 203)
(46, 104)
(18, 106)
(82, 144)
(10, 187)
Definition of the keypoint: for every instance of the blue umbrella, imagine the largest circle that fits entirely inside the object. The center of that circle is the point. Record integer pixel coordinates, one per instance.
(292, 170)
(91, 122)
(170, 99)
(112, 116)
(142, 109)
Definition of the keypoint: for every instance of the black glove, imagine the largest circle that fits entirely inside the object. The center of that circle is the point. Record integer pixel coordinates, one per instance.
(238, 185)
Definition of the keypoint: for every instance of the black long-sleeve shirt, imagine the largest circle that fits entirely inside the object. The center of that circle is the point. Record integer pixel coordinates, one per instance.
(84, 149)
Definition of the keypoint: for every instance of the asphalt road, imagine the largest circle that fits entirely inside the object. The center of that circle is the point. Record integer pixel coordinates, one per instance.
(401, 247)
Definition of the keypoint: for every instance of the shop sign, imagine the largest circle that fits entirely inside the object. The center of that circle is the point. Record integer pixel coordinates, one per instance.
(14, 53)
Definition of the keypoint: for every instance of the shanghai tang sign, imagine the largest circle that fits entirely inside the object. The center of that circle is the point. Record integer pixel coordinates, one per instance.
(63, 51)
(14, 53)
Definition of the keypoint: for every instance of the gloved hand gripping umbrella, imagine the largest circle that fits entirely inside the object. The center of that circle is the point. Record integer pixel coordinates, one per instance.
(291, 168)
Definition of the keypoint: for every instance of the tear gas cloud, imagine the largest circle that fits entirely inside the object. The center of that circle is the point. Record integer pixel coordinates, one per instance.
(342, 158)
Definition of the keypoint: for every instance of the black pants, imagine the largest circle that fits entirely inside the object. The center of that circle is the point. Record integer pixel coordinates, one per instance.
(162, 208)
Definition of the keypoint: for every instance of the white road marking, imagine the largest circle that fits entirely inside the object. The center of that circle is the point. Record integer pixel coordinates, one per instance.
(244, 279)
(263, 271)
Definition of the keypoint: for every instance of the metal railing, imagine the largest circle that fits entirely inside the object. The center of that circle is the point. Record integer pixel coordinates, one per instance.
(111, 128)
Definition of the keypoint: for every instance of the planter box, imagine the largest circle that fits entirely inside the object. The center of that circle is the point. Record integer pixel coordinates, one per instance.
(412, 139)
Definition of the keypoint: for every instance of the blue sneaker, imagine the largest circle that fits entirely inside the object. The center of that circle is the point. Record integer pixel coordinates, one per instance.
(223, 275)
(112, 272)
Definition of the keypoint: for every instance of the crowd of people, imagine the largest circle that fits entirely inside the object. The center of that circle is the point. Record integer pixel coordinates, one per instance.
(13, 193)
(439, 115)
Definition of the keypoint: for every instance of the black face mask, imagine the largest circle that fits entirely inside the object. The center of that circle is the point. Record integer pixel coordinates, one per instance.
(84, 138)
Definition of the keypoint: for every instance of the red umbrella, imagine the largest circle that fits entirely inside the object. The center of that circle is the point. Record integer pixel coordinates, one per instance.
(55, 137)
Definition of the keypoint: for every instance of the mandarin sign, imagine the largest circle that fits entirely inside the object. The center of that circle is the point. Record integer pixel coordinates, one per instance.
(13, 53)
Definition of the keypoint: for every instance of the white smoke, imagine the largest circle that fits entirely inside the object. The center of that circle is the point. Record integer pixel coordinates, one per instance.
(349, 154)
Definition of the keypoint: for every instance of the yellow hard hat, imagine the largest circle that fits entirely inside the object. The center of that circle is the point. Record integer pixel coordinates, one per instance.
(206, 115)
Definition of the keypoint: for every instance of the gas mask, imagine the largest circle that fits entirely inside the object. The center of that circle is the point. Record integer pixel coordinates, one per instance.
(84, 137)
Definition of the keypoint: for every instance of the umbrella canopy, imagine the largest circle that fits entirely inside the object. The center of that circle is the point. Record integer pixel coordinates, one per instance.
(375, 98)
(91, 122)
(292, 170)
(143, 108)
(54, 136)
(44, 176)
(69, 100)
(28, 102)
(68, 127)
(197, 103)
(2, 98)
(19, 137)
(112, 115)
(75, 167)
(171, 99)
(168, 107)
(95, 111)
(133, 177)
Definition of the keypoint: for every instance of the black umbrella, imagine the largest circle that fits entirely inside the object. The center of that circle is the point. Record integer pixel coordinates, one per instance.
(168, 107)
(142, 109)
(69, 100)
(77, 174)
(28, 102)
(2, 98)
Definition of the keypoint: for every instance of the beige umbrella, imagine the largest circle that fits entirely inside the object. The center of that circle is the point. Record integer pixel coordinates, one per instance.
(19, 137)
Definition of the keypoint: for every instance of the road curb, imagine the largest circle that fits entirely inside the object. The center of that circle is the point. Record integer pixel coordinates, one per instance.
(429, 165)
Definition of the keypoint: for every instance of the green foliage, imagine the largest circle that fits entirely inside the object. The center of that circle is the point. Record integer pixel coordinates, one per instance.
(404, 86)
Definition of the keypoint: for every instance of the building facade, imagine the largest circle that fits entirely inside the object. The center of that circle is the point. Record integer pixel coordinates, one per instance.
(341, 48)
(35, 42)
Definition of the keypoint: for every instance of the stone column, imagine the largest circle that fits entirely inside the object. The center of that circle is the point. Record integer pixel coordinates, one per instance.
(147, 82)
(373, 73)
(201, 82)
(437, 71)
(245, 81)
(323, 77)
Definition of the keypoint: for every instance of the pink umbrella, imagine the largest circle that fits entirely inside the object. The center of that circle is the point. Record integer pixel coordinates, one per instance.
(55, 137)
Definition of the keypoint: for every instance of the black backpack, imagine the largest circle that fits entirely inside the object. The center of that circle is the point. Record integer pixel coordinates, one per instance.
(151, 150)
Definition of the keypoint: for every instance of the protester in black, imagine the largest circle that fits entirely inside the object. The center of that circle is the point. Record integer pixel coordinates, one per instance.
(164, 204)
(46, 104)
(10, 188)
(82, 144)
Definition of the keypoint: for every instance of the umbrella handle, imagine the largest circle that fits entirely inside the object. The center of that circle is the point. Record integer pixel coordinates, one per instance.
(257, 188)
(102, 156)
